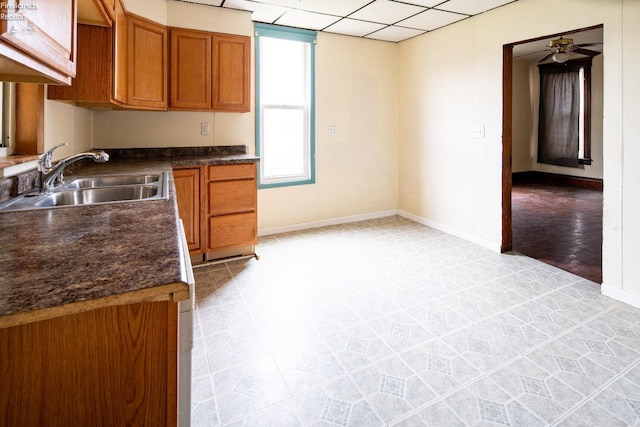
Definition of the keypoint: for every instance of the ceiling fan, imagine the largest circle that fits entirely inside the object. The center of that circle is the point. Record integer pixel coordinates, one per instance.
(562, 48)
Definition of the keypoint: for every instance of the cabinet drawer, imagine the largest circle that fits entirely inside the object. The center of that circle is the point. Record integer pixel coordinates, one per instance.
(227, 197)
(232, 230)
(229, 172)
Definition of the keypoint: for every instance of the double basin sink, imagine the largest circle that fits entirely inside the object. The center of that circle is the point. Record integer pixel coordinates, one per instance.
(92, 190)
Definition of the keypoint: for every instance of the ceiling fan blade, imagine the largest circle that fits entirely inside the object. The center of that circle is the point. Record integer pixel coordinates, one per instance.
(531, 53)
(586, 52)
(546, 57)
(589, 44)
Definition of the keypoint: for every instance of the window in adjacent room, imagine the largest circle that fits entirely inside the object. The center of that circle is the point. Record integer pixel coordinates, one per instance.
(564, 128)
(285, 105)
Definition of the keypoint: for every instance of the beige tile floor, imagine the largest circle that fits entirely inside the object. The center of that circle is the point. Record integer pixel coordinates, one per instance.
(388, 322)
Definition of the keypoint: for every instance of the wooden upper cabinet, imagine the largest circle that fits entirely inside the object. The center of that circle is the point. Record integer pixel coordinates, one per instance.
(119, 41)
(146, 64)
(190, 81)
(92, 83)
(39, 45)
(123, 65)
(209, 71)
(231, 72)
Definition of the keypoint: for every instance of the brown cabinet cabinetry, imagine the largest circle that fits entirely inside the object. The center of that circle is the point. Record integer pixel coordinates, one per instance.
(94, 76)
(231, 72)
(232, 213)
(110, 366)
(128, 61)
(38, 41)
(146, 64)
(209, 71)
(187, 183)
(190, 70)
(123, 65)
(223, 211)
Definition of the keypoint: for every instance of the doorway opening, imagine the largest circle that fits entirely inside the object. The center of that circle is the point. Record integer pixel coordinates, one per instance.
(552, 212)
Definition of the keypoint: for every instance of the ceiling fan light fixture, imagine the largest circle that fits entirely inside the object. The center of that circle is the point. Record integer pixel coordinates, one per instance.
(560, 57)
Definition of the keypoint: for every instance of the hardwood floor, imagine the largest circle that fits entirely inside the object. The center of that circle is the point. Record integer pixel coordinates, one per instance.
(559, 225)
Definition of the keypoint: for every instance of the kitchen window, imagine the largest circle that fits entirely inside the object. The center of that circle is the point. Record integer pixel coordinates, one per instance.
(285, 86)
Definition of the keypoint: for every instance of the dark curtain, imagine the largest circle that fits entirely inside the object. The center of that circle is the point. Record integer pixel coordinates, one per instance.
(558, 124)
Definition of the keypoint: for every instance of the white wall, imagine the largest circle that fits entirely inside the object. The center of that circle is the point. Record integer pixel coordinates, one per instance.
(450, 81)
(356, 170)
(66, 123)
(627, 193)
(523, 156)
(451, 179)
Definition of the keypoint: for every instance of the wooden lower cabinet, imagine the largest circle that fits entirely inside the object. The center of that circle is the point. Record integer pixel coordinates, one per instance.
(187, 183)
(232, 211)
(225, 206)
(111, 366)
(227, 231)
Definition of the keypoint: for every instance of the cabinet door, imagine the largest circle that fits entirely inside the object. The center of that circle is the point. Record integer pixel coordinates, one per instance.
(190, 80)
(42, 38)
(111, 366)
(228, 231)
(146, 64)
(93, 78)
(187, 183)
(231, 72)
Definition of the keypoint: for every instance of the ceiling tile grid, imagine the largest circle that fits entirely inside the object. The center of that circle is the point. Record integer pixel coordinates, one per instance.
(388, 20)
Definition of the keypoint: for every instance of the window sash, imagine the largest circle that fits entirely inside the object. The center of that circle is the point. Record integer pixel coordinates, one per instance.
(269, 151)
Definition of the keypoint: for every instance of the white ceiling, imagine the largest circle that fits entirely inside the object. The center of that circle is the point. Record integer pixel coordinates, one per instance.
(389, 20)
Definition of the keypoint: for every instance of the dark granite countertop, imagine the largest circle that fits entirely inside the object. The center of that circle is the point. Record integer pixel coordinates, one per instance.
(84, 257)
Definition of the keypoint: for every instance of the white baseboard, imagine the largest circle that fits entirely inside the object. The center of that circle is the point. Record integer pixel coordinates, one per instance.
(454, 232)
(620, 295)
(325, 222)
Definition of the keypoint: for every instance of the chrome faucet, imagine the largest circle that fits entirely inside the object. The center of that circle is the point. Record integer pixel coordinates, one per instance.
(50, 174)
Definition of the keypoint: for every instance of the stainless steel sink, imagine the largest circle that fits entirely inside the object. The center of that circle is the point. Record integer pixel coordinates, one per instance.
(90, 196)
(110, 180)
(91, 190)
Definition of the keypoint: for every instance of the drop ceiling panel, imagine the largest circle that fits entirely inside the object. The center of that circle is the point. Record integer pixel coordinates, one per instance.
(425, 3)
(261, 12)
(394, 34)
(431, 19)
(309, 20)
(472, 7)
(386, 12)
(353, 27)
(285, 3)
(339, 8)
(359, 18)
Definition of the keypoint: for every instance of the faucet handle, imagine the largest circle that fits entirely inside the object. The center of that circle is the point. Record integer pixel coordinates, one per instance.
(45, 160)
